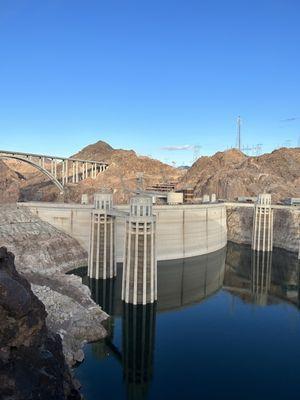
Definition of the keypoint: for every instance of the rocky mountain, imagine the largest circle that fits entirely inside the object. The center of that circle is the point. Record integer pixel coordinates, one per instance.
(32, 364)
(231, 173)
(121, 175)
(228, 174)
(124, 168)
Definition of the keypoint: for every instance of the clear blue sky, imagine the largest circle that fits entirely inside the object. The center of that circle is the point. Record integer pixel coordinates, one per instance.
(148, 74)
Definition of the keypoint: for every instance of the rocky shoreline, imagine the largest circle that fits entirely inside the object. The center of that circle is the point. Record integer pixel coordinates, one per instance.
(76, 320)
(32, 364)
(43, 254)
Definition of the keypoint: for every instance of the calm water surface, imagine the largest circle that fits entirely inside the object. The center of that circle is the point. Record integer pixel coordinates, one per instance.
(226, 325)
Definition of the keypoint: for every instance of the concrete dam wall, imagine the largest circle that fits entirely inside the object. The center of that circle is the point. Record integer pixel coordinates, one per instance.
(182, 231)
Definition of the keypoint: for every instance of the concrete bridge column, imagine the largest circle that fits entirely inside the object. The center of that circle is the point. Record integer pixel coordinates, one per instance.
(76, 168)
(73, 172)
(52, 167)
(62, 172)
(67, 172)
(55, 168)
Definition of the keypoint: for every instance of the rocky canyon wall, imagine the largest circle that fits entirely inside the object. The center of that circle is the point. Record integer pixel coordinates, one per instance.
(286, 226)
(43, 255)
(32, 365)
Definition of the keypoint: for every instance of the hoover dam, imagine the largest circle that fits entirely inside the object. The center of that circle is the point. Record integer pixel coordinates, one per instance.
(182, 231)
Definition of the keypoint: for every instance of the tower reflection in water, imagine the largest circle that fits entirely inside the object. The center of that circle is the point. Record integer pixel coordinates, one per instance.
(138, 334)
(138, 348)
(180, 283)
(261, 270)
(262, 277)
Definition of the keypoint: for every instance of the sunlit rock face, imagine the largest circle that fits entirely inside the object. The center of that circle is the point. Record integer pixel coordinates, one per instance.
(285, 229)
(32, 364)
(231, 173)
(38, 246)
(9, 184)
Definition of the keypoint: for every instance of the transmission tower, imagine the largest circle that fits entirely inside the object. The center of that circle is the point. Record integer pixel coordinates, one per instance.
(196, 154)
(257, 149)
(246, 149)
(239, 133)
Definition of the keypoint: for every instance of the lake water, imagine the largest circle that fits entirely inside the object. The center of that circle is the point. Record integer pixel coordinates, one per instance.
(226, 325)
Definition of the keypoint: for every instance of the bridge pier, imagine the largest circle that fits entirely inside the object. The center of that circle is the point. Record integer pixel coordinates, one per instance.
(77, 172)
(101, 264)
(63, 172)
(55, 169)
(139, 283)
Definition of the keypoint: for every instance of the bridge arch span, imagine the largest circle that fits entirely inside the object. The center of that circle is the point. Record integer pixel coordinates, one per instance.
(37, 166)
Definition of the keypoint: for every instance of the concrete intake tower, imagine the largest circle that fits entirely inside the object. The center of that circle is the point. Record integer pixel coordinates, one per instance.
(262, 235)
(101, 264)
(139, 283)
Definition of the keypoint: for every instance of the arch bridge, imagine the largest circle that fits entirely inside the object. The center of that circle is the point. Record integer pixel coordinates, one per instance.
(60, 170)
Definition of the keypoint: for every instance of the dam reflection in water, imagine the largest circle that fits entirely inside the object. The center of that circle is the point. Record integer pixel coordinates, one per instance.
(180, 283)
(256, 279)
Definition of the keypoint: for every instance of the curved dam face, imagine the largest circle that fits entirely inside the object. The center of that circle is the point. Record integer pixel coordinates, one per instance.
(182, 231)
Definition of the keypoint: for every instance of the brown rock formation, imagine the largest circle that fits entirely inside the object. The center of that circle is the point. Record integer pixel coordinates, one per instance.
(228, 174)
(231, 173)
(32, 365)
(9, 184)
(124, 165)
